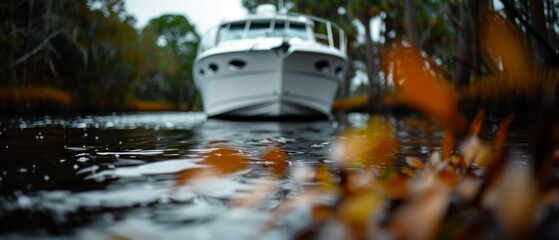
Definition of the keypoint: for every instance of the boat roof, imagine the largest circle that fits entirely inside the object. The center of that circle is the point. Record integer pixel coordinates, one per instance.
(291, 17)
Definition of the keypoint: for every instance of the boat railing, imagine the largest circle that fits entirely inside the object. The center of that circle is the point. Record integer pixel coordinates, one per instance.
(320, 30)
(328, 37)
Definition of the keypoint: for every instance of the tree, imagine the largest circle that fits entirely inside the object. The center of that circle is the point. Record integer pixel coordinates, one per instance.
(468, 50)
(179, 39)
(364, 11)
(411, 15)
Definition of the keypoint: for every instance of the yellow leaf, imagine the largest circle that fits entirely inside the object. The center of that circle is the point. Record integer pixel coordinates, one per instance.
(395, 187)
(357, 210)
(371, 145)
(324, 179)
(484, 157)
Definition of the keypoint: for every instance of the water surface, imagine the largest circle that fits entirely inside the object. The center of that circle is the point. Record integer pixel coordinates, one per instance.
(95, 177)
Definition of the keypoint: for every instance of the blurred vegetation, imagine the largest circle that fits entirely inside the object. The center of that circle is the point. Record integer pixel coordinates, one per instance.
(88, 56)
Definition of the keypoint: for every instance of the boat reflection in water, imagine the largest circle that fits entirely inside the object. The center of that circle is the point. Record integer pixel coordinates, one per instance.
(271, 65)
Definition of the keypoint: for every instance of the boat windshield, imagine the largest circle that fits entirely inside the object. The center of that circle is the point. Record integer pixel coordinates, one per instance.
(231, 31)
(262, 29)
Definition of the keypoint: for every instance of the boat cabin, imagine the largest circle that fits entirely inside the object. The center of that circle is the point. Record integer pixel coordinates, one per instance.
(264, 28)
(291, 27)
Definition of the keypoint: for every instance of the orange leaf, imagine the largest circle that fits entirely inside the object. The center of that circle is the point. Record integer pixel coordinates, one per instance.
(277, 160)
(447, 145)
(501, 136)
(421, 86)
(508, 51)
(449, 177)
(226, 160)
(414, 162)
(408, 171)
(321, 212)
(475, 127)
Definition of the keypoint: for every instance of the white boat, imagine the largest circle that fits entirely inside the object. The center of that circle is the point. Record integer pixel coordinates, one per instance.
(271, 65)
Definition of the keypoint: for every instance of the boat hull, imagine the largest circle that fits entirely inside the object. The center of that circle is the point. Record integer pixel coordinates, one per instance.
(269, 83)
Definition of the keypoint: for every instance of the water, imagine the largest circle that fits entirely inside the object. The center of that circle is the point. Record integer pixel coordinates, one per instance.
(100, 177)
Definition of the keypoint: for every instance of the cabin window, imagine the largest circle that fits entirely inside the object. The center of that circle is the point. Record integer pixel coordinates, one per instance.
(258, 29)
(232, 31)
(279, 30)
(295, 30)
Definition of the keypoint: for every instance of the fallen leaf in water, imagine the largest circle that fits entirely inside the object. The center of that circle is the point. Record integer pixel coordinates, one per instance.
(513, 198)
(367, 146)
(321, 212)
(415, 162)
(408, 171)
(470, 149)
(226, 160)
(435, 163)
(325, 179)
(255, 196)
(277, 160)
(393, 187)
(447, 144)
(449, 177)
(420, 218)
(476, 124)
(501, 135)
(359, 209)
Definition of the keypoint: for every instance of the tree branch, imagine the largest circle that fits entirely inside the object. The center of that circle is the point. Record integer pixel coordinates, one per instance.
(530, 29)
(38, 48)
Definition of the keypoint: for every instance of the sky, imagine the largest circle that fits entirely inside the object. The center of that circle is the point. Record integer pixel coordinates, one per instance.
(204, 14)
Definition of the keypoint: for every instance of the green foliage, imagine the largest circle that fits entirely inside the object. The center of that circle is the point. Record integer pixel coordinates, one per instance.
(178, 41)
(91, 49)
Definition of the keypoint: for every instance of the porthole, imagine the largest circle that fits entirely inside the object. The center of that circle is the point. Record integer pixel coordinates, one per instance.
(237, 64)
(213, 67)
(322, 66)
(339, 73)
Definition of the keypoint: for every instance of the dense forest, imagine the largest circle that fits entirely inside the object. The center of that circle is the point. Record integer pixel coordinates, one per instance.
(87, 54)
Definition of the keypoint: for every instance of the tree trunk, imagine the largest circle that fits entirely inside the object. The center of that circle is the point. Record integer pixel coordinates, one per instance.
(468, 57)
(369, 53)
(537, 20)
(413, 31)
(508, 11)
(348, 75)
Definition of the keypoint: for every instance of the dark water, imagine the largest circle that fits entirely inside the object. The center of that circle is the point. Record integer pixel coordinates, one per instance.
(102, 177)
